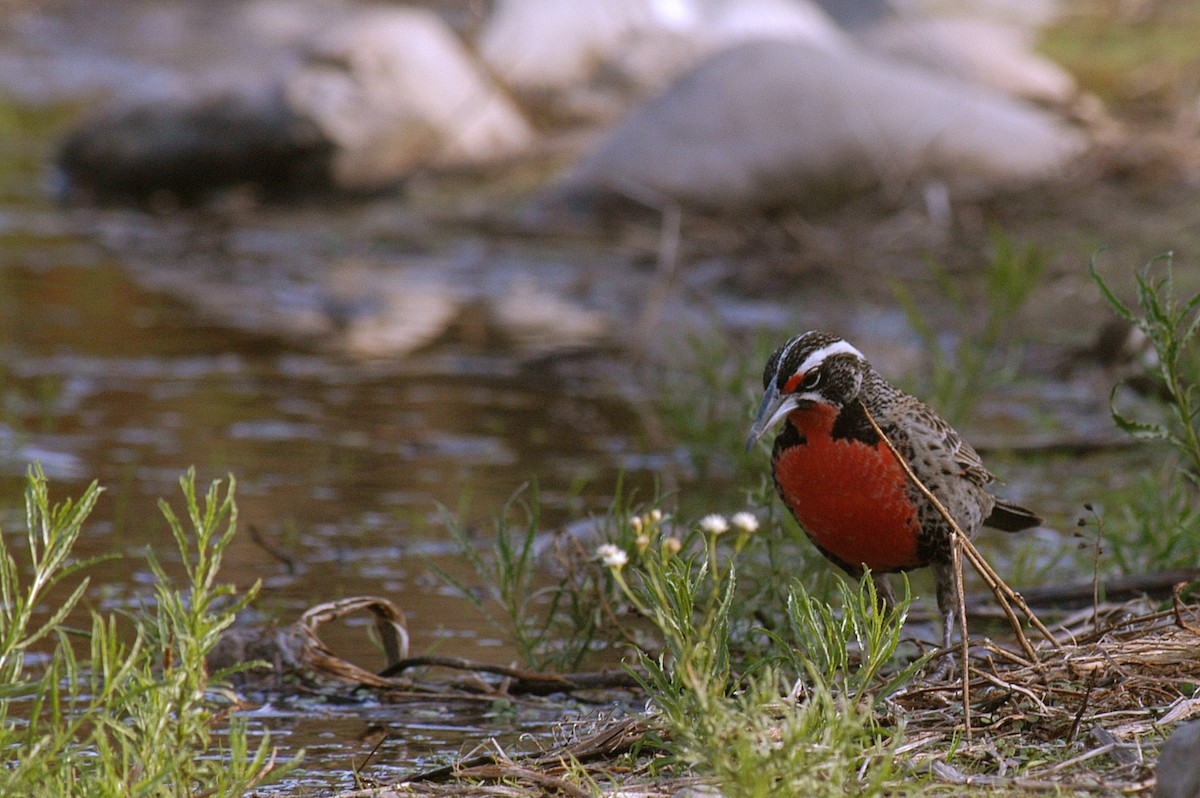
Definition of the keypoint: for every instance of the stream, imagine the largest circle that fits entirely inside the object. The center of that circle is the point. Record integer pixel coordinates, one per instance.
(355, 368)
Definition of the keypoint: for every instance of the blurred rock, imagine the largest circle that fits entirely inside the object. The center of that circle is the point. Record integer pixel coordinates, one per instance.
(387, 313)
(545, 320)
(586, 58)
(855, 14)
(187, 149)
(977, 50)
(1026, 13)
(369, 310)
(769, 123)
(395, 89)
(538, 45)
(1179, 764)
(384, 92)
(286, 25)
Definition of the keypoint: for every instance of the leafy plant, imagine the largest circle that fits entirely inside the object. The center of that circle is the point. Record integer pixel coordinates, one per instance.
(727, 719)
(1151, 525)
(687, 596)
(136, 715)
(1171, 325)
(1154, 527)
(51, 532)
(822, 643)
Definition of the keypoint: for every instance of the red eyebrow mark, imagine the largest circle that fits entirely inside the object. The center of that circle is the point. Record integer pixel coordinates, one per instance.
(791, 384)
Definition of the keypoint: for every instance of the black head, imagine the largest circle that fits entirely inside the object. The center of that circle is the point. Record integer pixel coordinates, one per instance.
(812, 368)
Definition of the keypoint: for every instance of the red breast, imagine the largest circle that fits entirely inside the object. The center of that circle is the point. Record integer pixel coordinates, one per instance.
(852, 498)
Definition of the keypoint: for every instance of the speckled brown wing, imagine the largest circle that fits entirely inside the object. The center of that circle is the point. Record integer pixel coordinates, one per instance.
(941, 439)
(970, 465)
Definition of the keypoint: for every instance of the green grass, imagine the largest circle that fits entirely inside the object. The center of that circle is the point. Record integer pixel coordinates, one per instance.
(759, 683)
(125, 706)
(980, 356)
(706, 395)
(1151, 525)
(554, 602)
(755, 744)
(27, 134)
(1123, 55)
(797, 717)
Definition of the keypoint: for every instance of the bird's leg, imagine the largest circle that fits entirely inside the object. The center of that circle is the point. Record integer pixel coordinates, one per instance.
(947, 600)
(948, 605)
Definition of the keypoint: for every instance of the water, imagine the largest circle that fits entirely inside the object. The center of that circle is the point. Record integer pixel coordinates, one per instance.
(110, 370)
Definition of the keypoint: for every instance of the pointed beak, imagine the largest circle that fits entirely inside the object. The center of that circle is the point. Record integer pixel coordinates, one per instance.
(775, 406)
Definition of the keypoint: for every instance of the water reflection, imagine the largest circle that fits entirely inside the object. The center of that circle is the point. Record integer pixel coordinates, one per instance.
(338, 464)
(97, 381)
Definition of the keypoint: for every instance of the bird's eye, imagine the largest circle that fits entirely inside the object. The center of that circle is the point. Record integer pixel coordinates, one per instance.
(810, 380)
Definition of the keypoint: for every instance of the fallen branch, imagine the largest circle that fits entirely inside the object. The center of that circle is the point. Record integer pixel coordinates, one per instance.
(1177, 607)
(297, 647)
(524, 682)
(605, 744)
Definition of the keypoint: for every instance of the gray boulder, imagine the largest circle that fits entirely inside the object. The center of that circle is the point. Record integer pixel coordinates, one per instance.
(395, 89)
(771, 122)
(1179, 764)
(977, 50)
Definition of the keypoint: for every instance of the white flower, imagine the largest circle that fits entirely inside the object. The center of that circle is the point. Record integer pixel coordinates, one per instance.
(612, 556)
(714, 524)
(745, 521)
(656, 515)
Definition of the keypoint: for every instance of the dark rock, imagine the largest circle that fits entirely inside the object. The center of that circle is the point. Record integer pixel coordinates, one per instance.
(856, 14)
(185, 151)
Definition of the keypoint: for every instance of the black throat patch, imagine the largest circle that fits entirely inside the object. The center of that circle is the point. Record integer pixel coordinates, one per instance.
(852, 424)
(789, 436)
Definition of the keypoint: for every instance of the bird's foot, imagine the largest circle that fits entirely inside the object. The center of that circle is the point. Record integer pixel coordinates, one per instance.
(943, 667)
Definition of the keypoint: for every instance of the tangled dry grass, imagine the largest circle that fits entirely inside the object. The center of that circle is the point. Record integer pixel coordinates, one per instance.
(1093, 709)
(1085, 715)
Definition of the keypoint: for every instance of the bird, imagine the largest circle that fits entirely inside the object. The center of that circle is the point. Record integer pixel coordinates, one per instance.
(843, 485)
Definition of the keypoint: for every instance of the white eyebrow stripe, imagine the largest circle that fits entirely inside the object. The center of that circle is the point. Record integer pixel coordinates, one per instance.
(835, 348)
(787, 350)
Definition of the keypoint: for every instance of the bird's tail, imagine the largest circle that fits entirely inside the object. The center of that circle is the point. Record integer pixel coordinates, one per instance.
(1011, 517)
